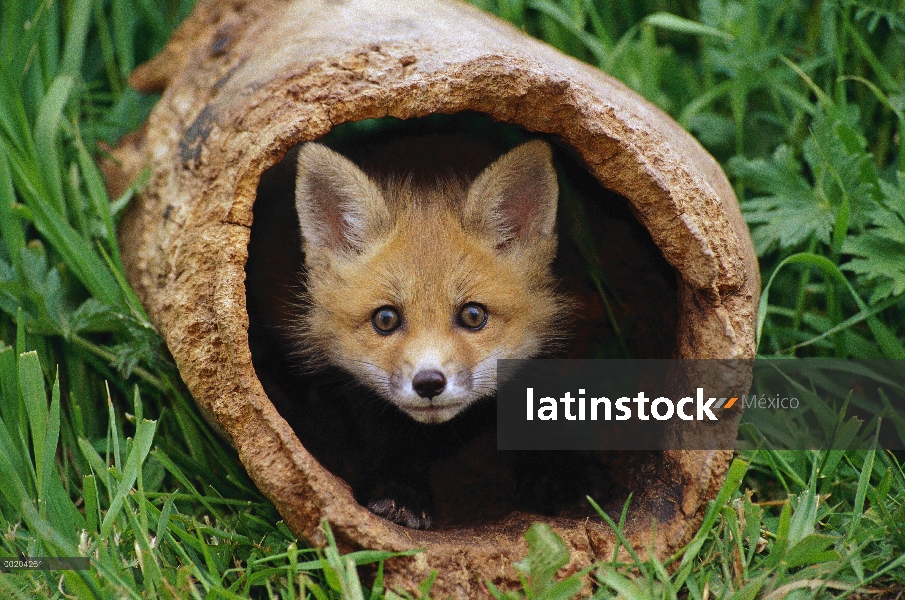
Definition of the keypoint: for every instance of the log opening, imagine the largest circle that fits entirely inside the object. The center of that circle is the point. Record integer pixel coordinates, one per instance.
(605, 257)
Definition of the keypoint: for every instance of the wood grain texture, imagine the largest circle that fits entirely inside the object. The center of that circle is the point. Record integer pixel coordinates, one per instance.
(243, 82)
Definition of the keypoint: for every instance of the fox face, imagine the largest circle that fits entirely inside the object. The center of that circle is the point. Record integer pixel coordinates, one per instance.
(417, 290)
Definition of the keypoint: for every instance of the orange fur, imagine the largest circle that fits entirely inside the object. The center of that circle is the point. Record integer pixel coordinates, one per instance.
(426, 251)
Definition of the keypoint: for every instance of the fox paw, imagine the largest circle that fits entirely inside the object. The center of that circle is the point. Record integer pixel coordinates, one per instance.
(398, 513)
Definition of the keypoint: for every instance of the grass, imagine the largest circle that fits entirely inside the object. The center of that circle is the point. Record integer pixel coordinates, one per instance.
(102, 452)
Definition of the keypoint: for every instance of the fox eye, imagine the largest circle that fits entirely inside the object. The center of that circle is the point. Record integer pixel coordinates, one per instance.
(385, 320)
(472, 316)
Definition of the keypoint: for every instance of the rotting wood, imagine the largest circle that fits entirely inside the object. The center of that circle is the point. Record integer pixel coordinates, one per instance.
(243, 82)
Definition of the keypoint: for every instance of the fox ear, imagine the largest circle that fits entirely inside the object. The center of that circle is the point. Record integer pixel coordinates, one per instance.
(339, 207)
(514, 199)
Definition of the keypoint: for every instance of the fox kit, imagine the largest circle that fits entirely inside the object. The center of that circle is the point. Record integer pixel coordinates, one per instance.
(415, 289)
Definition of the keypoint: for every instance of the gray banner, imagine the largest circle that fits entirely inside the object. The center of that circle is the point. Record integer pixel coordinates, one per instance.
(797, 404)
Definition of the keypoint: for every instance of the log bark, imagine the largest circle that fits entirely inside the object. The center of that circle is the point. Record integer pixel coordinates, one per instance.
(244, 82)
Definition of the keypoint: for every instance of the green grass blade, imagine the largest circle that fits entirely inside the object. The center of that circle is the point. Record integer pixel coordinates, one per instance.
(144, 436)
(47, 156)
(97, 464)
(671, 22)
(97, 194)
(79, 14)
(31, 381)
(92, 502)
(555, 12)
(15, 489)
(734, 477)
(51, 438)
(9, 385)
(13, 117)
(867, 470)
(75, 250)
(105, 38)
(10, 226)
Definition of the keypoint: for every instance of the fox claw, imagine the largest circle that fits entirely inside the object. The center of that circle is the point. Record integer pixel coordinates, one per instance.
(394, 511)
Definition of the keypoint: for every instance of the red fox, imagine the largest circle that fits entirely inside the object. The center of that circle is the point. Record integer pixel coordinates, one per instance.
(415, 289)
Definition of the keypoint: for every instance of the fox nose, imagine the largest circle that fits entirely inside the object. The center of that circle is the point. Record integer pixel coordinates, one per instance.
(428, 384)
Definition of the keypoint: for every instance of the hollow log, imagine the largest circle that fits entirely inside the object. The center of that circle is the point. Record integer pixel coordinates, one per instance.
(244, 82)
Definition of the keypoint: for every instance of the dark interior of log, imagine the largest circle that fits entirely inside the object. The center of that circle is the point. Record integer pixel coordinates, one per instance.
(602, 247)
